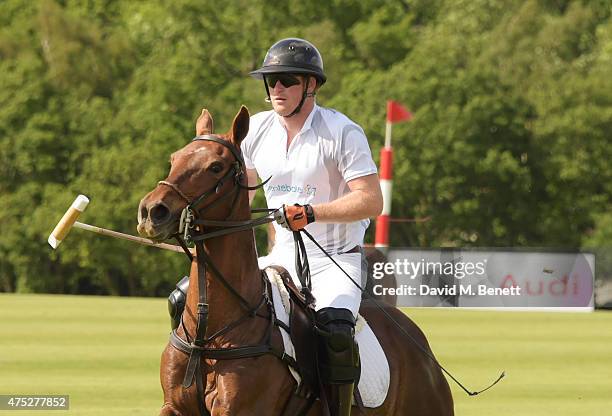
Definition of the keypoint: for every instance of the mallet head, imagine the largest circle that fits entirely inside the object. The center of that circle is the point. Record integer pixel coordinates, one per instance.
(63, 227)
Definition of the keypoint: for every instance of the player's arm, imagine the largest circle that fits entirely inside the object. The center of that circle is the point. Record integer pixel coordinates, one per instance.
(363, 201)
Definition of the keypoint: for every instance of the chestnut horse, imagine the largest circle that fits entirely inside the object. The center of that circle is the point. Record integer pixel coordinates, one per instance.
(259, 385)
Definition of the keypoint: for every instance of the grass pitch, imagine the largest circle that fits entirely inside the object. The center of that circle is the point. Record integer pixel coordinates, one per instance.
(104, 352)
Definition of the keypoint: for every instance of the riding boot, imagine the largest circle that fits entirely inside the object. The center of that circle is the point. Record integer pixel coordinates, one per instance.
(338, 358)
(340, 397)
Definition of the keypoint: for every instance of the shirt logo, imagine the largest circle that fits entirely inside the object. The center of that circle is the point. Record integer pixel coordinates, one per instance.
(287, 188)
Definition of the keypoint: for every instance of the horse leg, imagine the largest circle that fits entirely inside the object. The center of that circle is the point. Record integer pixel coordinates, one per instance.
(168, 410)
(177, 401)
(251, 386)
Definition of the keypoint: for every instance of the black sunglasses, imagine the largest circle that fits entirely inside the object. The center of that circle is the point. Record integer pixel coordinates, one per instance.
(287, 80)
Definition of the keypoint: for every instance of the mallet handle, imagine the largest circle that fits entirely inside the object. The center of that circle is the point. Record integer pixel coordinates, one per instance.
(128, 237)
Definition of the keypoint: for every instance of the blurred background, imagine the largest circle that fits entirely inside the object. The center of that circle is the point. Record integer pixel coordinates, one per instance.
(510, 143)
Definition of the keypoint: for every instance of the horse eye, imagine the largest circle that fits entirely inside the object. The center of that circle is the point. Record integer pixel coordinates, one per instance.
(216, 167)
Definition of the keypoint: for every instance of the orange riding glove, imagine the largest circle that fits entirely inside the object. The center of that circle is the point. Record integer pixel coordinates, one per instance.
(294, 217)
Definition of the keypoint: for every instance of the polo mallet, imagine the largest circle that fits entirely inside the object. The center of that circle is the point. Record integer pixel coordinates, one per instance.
(69, 220)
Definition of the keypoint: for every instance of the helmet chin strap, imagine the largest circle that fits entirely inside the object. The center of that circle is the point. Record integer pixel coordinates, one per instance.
(305, 94)
(299, 106)
(268, 100)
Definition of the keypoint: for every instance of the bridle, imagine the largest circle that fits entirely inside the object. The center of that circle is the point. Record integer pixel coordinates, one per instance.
(191, 230)
(190, 212)
(190, 224)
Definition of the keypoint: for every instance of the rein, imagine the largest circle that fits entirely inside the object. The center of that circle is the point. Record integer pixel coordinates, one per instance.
(399, 327)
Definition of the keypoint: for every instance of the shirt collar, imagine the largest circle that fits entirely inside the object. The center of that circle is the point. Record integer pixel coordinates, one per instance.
(307, 123)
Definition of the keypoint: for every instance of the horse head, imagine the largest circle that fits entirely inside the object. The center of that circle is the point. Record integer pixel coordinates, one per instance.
(202, 176)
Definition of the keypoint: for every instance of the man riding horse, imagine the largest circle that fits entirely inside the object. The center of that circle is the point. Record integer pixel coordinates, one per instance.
(323, 179)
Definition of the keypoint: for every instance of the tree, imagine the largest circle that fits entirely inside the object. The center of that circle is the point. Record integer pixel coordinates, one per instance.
(509, 145)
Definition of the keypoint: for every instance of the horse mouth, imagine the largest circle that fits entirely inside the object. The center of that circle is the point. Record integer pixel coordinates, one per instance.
(157, 233)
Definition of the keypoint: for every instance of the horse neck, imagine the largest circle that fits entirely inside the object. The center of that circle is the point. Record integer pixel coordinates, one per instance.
(235, 256)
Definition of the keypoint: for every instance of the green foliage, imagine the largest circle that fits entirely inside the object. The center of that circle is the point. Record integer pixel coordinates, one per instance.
(385, 37)
(509, 145)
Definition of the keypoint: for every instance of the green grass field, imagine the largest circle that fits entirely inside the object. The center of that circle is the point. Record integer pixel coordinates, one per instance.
(104, 352)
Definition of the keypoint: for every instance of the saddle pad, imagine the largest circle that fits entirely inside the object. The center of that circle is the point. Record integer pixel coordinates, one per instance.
(374, 381)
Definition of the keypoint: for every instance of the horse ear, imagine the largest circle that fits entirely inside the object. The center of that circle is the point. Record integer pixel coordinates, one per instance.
(204, 123)
(240, 126)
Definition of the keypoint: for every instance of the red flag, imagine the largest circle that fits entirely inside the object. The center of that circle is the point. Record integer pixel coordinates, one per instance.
(397, 112)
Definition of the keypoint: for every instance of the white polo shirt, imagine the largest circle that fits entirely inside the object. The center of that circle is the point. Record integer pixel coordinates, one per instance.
(328, 152)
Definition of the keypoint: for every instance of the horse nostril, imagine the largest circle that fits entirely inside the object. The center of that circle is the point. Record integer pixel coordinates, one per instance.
(144, 214)
(159, 213)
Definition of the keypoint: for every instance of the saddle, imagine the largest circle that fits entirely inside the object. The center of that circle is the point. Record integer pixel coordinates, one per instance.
(304, 338)
(303, 334)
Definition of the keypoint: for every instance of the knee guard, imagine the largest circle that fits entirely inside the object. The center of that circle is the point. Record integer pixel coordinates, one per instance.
(338, 352)
(176, 302)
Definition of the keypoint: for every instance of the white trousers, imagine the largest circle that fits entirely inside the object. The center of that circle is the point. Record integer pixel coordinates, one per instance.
(330, 286)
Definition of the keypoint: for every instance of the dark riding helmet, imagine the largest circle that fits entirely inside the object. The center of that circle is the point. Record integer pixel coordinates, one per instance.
(292, 55)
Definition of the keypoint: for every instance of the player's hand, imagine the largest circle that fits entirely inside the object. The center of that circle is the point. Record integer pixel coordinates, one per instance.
(294, 217)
